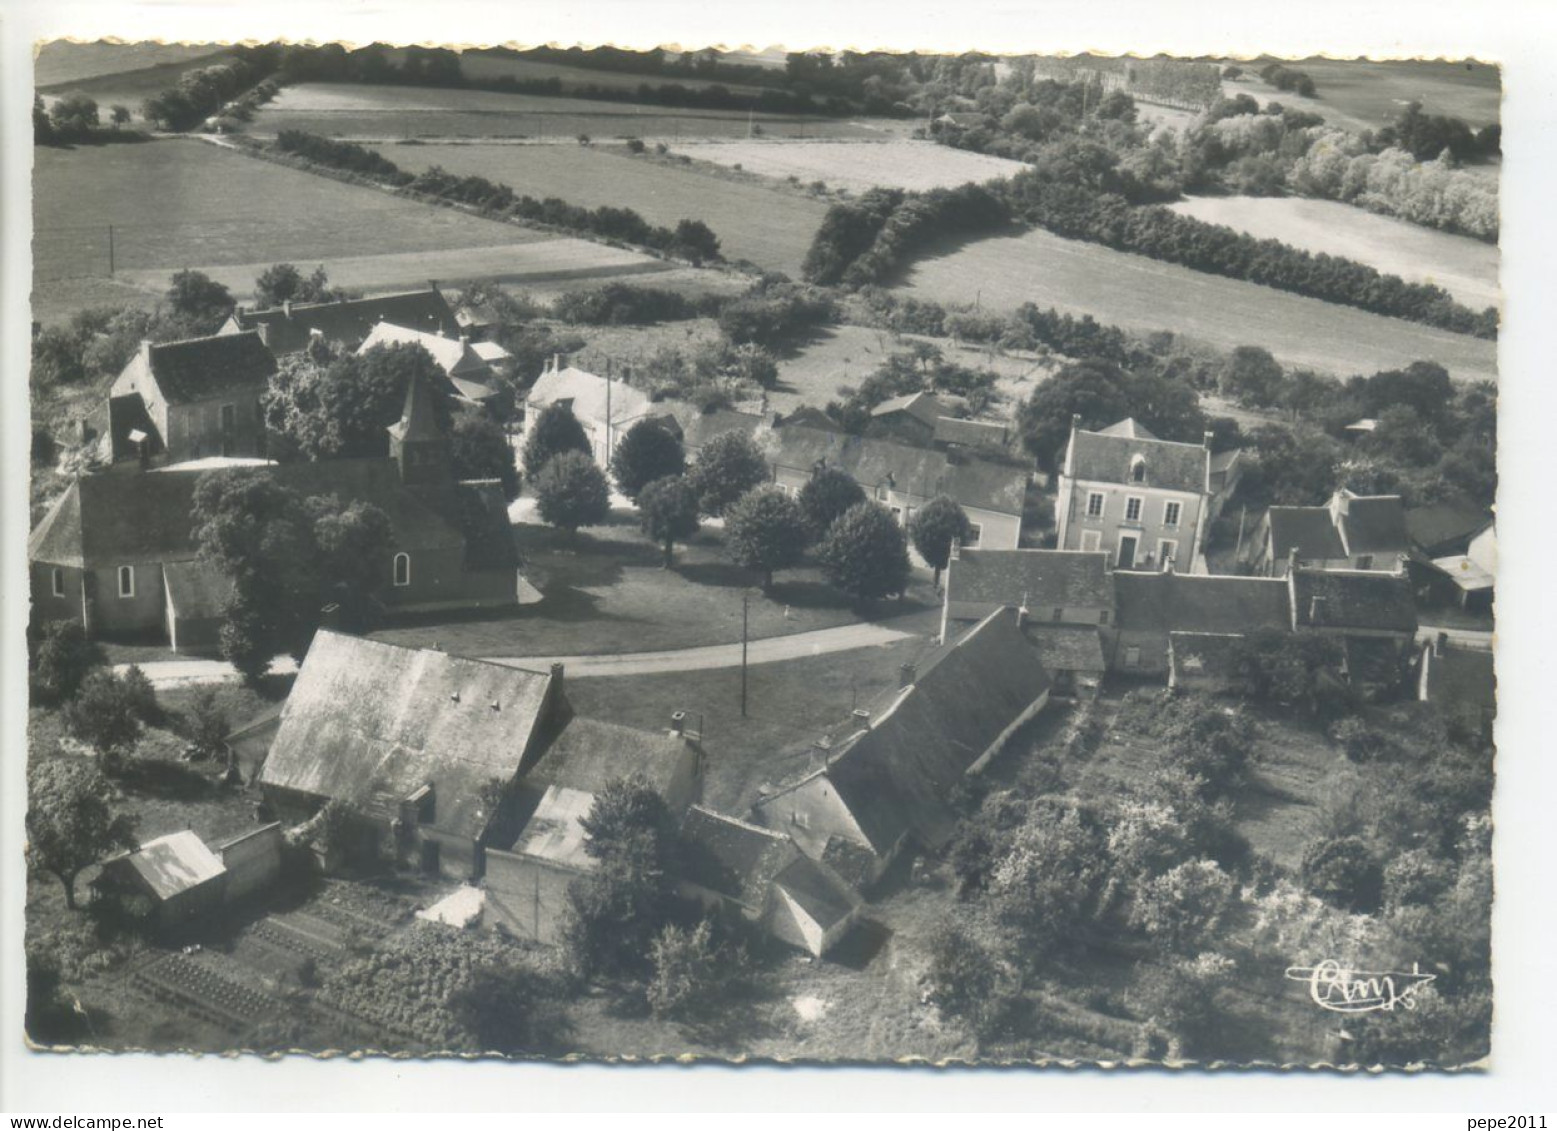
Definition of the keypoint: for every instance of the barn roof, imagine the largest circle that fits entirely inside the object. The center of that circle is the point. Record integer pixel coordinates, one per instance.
(1308, 530)
(922, 406)
(371, 723)
(199, 369)
(173, 864)
(1185, 602)
(1374, 524)
(951, 430)
(453, 355)
(555, 831)
(1040, 579)
(1107, 456)
(821, 894)
(1355, 599)
(1448, 526)
(348, 322)
(732, 857)
(587, 395)
(587, 754)
(1068, 648)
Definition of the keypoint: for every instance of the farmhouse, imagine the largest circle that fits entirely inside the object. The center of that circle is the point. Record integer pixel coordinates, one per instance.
(1065, 598)
(175, 878)
(888, 785)
(743, 869)
(117, 552)
(905, 478)
(1372, 616)
(1351, 531)
(189, 400)
(606, 408)
(1143, 501)
(470, 377)
(344, 324)
(1149, 608)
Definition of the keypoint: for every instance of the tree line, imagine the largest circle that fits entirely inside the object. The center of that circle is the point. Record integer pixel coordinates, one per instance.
(202, 92)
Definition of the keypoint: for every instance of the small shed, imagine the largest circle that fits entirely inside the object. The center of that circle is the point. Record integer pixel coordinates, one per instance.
(181, 880)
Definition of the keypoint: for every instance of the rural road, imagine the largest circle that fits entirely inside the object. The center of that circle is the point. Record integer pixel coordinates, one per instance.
(845, 638)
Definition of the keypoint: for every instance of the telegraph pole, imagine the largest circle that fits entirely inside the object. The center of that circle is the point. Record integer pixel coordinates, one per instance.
(110, 251)
(745, 621)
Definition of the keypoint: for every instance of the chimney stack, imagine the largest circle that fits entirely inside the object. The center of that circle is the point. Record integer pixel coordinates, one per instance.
(678, 722)
(1440, 642)
(906, 675)
(1316, 609)
(1208, 436)
(146, 350)
(1292, 560)
(556, 676)
(955, 555)
(286, 307)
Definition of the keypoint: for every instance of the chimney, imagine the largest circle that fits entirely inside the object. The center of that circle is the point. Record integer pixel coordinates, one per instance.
(464, 339)
(1208, 435)
(861, 715)
(1292, 560)
(821, 749)
(330, 617)
(1440, 642)
(678, 722)
(146, 350)
(432, 284)
(556, 362)
(906, 675)
(286, 307)
(556, 675)
(1316, 609)
(1075, 421)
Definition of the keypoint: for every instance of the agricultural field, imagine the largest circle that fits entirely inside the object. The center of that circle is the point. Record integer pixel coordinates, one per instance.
(184, 203)
(117, 73)
(1465, 267)
(770, 226)
(1360, 95)
(480, 67)
(366, 112)
(1144, 294)
(858, 166)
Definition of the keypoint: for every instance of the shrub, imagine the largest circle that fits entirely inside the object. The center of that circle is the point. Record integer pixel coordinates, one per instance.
(103, 715)
(61, 661)
(1343, 871)
(1183, 907)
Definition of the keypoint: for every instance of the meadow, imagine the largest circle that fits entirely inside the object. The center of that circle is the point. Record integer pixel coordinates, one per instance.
(362, 111)
(858, 166)
(1142, 294)
(480, 67)
(1364, 95)
(770, 226)
(1466, 268)
(113, 74)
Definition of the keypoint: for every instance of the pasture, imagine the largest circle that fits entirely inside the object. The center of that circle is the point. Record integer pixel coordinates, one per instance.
(1143, 294)
(767, 225)
(123, 74)
(1365, 94)
(858, 166)
(478, 66)
(366, 112)
(1466, 268)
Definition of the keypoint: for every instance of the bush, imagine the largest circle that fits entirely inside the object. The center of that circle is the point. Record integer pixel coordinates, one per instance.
(61, 661)
(1184, 906)
(141, 695)
(1343, 871)
(964, 979)
(692, 972)
(103, 715)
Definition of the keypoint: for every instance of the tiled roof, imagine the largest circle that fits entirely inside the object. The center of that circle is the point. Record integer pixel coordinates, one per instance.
(371, 723)
(1129, 428)
(1446, 527)
(1375, 524)
(350, 322)
(921, 406)
(455, 357)
(923, 472)
(588, 755)
(731, 857)
(1353, 599)
(821, 894)
(1043, 579)
(698, 428)
(1107, 457)
(588, 394)
(174, 863)
(896, 776)
(1185, 602)
(199, 369)
(1308, 530)
(972, 433)
(555, 831)
(1068, 648)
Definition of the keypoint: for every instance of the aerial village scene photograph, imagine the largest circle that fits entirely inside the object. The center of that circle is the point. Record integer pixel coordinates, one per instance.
(762, 555)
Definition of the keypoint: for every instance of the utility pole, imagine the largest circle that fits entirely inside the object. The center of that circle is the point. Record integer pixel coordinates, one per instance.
(110, 251)
(745, 621)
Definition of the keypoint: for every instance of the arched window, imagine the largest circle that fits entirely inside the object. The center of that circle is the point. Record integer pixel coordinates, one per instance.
(402, 569)
(1138, 469)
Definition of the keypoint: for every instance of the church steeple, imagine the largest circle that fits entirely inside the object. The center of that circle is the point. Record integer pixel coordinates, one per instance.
(415, 441)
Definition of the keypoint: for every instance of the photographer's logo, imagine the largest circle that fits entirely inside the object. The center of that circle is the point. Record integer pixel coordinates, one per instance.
(1334, 987)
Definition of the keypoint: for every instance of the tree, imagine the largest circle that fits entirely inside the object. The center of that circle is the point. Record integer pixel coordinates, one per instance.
(508, 1006)
(74, 116)
(142, 695)
(42, 128)
(70, 823)
(668, 512)
(1344, 872)
(826, 495)
(351, 544)
(342, 407)
(693, 971)
(119, 115)
(62, 660)
(1184, 997)
(649, 451)
(1093, 390)
(1183, 906)
(728, 466)
(200, 300)
(1252, 377)
(964, 980)
(939, 523)
(556, 431)
(1046, 882)
(103, 715)
(694, 240)
(479, 449)
(765, 530)
(283, 282)
(571, 491)
(865, 554)
(206, 725)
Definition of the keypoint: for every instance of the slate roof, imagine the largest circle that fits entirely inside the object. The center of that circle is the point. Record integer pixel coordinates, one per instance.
(1068, 648)
(1106, 457)
(922, 472)
(895, 777)
(349, 322)
(1184, 602)
(1355, 599)
(371, 723)
(1444, 528)
(196, 590)
(822, 896)
(587, 392)
(1374, 524)
(587, 755)
(922, 406)
(455, 357)
(1309, 530)
(733, 858)
(1043, 579)
(173, 864)
(113, 519)
(199, 369)
(972, 433)
(698, 428)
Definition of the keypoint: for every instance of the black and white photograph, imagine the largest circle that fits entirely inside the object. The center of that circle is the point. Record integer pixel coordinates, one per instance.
(762, 555)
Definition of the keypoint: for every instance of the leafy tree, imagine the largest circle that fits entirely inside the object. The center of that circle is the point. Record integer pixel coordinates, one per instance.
(694, 240)
(964, 979)
(865, 554)
(283, 282)
(206, 726)
(509, 1006)
(1343, 871)
(1182, 907)
(330, 407)
(51, 1017)
(1185, 997)
(119, 115)
(939, 523)
(668, 512)
(1045, 883)
(571, 492)
(351, 543)
(479, 449)
(1252, 377)
(56, 357)
(70, 822)
(142, 696)
(693, 971)
(1093, 390)
(827, 494)
(729, 465)
(74, 116)
(103, 715)
(765, 530)
(1290, 668)
(200, 300)
(649, 451)
(556, 431)
(1441, 1029)
(63, 658)
(42, 128)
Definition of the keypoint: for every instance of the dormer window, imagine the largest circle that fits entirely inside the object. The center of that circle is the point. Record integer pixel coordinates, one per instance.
(1138, 469)
(402, 570)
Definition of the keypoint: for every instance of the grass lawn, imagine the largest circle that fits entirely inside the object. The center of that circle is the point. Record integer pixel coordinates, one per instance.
(767, 225)
(1143, 294)
(1465, 267)
(177, 203)
(859, 165)
(606, 593)
(359, 110)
